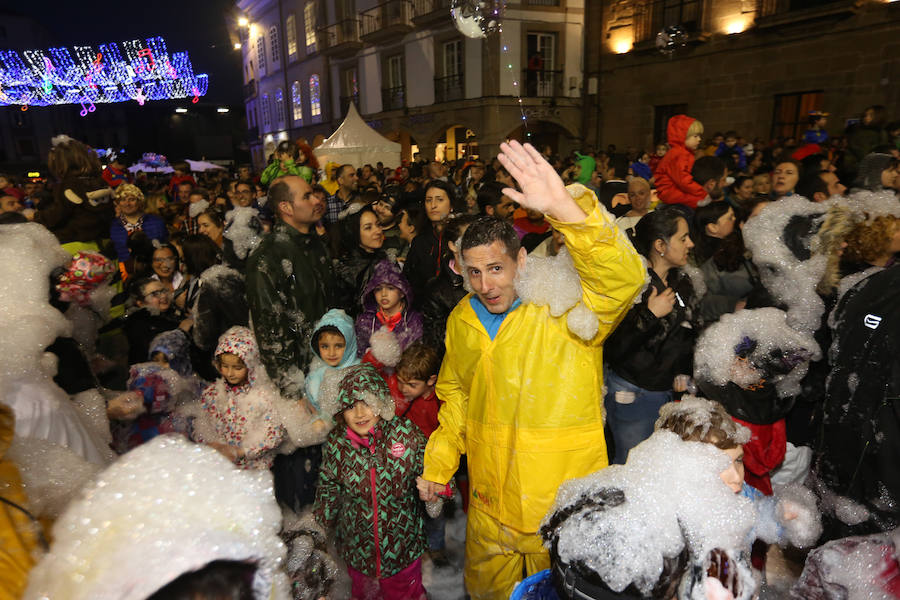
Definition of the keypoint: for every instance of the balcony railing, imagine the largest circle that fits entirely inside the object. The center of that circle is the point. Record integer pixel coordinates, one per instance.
(386, 18)
(347, 100)
(343, 33)
(393, 98)
(449, 88)
(543, 84)
(541, 2)
(250, 89)
(651, 16)
(430, 10)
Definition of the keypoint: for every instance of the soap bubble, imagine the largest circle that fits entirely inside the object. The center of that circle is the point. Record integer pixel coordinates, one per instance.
(477, 18)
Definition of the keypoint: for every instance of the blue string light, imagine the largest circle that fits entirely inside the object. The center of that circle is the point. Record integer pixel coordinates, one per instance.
(138, 70)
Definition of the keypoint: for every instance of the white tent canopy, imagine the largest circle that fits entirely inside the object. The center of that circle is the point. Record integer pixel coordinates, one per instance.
(356, 143)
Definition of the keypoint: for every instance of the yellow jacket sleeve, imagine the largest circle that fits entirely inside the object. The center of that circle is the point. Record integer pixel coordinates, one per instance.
(448, 441)
(612, 273)
(18, 539)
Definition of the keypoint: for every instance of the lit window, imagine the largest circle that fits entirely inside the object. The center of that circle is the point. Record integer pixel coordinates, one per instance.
(279, 107)
(309, 18)
(315, 106)
(291, 28)
(297, 102)
(273, 42)
(261, 54)
(266, 113)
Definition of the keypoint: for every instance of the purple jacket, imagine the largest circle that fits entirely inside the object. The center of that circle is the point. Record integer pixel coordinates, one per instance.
(408, 330)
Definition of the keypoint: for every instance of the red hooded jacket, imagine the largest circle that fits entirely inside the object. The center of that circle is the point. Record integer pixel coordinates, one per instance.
(674, 183)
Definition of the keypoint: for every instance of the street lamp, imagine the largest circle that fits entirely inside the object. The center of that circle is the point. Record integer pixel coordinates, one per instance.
(243, 22)
(237, 45)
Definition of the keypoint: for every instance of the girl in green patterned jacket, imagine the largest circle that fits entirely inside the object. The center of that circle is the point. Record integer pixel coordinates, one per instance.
(367, 486)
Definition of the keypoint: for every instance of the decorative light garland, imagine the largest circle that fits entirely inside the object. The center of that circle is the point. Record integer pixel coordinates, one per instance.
(141, 70)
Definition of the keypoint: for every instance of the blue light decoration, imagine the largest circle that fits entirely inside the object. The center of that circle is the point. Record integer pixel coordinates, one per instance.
(138, 70)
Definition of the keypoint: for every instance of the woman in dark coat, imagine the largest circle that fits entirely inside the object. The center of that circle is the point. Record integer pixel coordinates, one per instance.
(655, 341)
(428, 252)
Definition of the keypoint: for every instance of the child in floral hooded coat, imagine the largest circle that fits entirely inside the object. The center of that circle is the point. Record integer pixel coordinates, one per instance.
(242, 404)
(367, 486)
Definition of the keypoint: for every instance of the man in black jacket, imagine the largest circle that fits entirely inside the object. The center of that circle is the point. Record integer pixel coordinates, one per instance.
(289, 287)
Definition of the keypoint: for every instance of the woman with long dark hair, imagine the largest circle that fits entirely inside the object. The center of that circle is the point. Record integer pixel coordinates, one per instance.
(655, 341)
(429, 252)
(362, 240)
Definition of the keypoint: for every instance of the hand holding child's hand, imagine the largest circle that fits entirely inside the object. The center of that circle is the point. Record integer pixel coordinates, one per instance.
(429, 490)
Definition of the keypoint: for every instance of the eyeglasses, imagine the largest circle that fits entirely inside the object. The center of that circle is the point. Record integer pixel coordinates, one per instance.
(163, 261)
(158, 294)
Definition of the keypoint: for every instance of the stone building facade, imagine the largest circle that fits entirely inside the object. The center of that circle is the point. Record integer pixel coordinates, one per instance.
(412, 75)
(756, 66)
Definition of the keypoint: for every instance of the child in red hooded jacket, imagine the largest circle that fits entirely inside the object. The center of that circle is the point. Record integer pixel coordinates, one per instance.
(674, 183)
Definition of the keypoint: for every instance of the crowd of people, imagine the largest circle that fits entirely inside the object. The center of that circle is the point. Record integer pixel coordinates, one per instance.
(566, 342)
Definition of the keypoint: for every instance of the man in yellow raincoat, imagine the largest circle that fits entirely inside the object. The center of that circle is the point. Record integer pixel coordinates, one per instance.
(522, 394)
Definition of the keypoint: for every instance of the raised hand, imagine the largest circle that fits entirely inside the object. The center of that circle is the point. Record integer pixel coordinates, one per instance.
(542, 189)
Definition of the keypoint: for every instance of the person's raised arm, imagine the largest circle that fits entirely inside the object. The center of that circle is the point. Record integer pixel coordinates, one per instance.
(542, 188)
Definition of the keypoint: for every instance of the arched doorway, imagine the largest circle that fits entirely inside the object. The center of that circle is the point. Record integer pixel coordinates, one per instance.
(541, 134)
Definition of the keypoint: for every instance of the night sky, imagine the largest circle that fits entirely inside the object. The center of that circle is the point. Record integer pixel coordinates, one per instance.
(200, 27)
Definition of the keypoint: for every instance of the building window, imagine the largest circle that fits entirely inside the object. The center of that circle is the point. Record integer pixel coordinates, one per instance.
(452, 85)
(309, 20)
(542, 79)
(296, 103)
(261, 54)
(453, 58)
(273, 42)
(266, 113)
(393, 94)
(290, 26)
(650, 16)
(791, 116)
(315, 104)
(250, 115)
(279, 107)
(349, 89)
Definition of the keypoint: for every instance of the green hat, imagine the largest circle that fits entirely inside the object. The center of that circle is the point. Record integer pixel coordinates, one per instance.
(587, 164)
